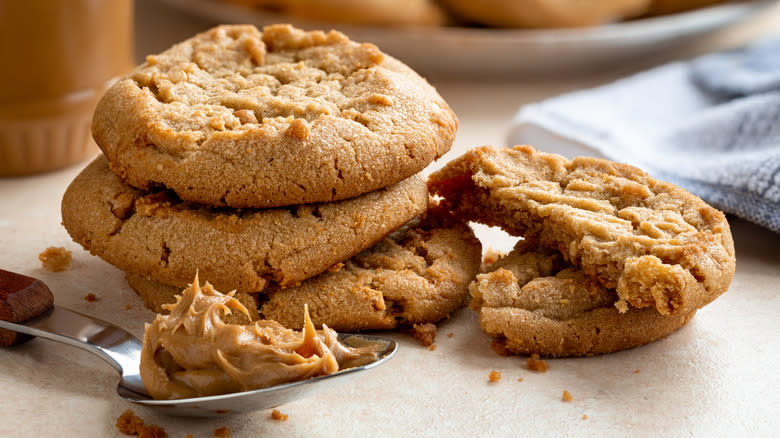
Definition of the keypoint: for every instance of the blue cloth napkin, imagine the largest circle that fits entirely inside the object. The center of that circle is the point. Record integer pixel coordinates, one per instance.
(710, 125)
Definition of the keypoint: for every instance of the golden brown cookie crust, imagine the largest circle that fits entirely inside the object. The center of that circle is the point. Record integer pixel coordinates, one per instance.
(533, 302)
(419, 274)
(545, 13)
(653, 242)
(243, 118)
(158, 236)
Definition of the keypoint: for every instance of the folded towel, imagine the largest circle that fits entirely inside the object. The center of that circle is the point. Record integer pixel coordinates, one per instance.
(710, 125)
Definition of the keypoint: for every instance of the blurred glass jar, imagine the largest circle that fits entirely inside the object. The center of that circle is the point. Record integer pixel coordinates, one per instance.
(57, 57)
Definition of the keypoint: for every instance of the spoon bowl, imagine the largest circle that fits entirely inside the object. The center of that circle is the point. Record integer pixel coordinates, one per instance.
(26, 307)
(264, 398)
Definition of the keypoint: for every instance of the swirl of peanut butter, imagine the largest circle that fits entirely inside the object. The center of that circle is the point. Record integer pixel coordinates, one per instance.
(192, 352)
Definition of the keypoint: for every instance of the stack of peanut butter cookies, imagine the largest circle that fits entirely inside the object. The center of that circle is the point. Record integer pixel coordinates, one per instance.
(285, 165)
(611, 258)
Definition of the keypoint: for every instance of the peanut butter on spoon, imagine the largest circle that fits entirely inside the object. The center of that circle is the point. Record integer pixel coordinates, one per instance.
(192, 352)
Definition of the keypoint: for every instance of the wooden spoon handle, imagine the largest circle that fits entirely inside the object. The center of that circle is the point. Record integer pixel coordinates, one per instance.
(21, 298)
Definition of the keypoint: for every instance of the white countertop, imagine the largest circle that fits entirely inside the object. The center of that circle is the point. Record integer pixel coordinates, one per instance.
(718, 376)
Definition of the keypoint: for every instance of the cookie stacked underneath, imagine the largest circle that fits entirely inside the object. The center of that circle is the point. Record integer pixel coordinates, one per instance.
(611, 258)
(280, 164)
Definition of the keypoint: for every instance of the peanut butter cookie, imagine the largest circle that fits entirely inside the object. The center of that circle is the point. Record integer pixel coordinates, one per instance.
(533, 302)
(156, 235)
(661, 7)
(653, 242)
(419, 274)
(545, 13)
(249, 119)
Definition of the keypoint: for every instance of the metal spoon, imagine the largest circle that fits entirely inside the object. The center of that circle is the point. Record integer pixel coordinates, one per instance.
(22, 296)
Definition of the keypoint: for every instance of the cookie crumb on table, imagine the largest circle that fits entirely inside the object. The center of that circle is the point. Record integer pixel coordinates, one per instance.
(222, 432)
(425, 333)
(584, 416)
(432, 347)
(55, 259)
(535, 364)
(494, 376)
(91, 297)
(637, 371)
(276, 415)
(130, 424)
(566, 396)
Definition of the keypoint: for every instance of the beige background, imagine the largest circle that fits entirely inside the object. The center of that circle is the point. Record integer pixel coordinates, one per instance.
(718, 376)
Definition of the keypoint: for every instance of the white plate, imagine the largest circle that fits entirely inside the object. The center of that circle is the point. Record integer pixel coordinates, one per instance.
(470, 51)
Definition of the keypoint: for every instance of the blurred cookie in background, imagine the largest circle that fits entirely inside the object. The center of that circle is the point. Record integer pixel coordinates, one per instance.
(363, 12)
(545, 13)
(662, 7)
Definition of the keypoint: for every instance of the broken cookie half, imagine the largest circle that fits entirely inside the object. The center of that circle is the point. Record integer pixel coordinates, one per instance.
(534, 302)
(654, 243)
(612, 258)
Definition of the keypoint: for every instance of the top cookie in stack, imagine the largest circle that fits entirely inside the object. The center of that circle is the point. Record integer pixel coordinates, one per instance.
(256, 158)
(242, 118)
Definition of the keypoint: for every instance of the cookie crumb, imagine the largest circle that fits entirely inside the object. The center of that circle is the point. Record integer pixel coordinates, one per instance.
(222, 432)
(432, 347)
(584, 416)
(566, 396)
(123, 205)
(499, 346)
(380, 99)
(336, 268)
(245, 116)
(637, 371)
(425, 333)
(299, 129)
(450, 334)
(91, 297)
(494, 376)
(153, 431)
(276, 415)
(130, 424)
(519, 379)
(55, 259)
(128, 307)
(535, 364)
